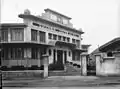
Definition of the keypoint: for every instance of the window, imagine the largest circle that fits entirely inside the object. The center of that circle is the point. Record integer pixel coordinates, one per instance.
(69, 53)
(59, 37)
(78, 43)
(33, 35)
(109, 54)
(73, 40)
(68, 39)
(35, 24)
(53, 17)
(17, 34)
(4, 35)
(42, 36)
(49, 35)
(65, 21)
(34, 53)
(50, 52)
(59, 20)
(16, 53)
(64, 38)
(54, 37)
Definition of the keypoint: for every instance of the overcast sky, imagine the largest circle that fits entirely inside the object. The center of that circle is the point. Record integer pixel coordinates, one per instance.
(99, 19)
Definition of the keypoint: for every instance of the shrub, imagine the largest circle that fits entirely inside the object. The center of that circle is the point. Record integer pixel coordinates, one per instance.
(71, 63)
(42, 67)
(56, 67)
(34, 67)
(78, 66)
(17, 68)
(74, 64)
(4, 68)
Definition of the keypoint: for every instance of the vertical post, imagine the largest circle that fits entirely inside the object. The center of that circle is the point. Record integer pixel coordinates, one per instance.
(98, 64)
(56, 56)
(84, 64)
(63, 57)
(9, 36)
(45, 63)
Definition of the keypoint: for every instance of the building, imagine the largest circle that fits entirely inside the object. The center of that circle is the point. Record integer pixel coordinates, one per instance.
(107, 58)
(23, 44)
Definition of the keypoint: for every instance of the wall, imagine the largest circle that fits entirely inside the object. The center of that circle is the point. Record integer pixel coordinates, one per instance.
(108, 66)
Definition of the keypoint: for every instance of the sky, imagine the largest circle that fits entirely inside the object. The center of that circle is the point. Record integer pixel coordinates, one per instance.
(99, 19)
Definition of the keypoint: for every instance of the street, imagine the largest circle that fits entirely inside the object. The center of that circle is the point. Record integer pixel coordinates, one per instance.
(112, 87)
(63, 82)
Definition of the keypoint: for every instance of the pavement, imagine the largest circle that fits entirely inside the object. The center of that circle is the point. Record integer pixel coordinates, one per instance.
(63, 81)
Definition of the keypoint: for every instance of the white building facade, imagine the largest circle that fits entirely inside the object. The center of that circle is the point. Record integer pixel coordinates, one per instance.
(52, 34)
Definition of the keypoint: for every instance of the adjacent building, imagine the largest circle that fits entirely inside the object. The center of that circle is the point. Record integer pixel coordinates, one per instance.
(23, 44)
(107, 58)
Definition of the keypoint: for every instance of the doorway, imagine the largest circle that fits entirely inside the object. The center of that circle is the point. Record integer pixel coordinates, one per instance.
(59, 57)
(65, 56)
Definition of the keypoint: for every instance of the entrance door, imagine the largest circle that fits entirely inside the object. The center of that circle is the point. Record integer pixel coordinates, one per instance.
(59, 56)
(65, 56)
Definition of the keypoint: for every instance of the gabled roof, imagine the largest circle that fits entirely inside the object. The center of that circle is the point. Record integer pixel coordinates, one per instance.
(110, 45)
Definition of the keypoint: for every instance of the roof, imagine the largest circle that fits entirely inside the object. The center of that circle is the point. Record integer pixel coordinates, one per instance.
(57, 13)
(95, 51)
(13, 25)
(110, 45)
(50, 22)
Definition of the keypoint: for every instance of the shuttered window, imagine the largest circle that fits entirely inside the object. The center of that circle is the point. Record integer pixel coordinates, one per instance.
(42, 37)
(17, 34)
(33, 35)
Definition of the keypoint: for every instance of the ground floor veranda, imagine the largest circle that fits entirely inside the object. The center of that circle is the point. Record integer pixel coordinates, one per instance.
(28, 55)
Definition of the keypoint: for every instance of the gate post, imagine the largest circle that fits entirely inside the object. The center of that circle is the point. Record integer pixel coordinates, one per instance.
(98, 64)
(84, 64)
(45, 63)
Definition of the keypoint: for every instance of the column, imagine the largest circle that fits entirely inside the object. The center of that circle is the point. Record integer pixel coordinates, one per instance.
(9, 35)
(56, 56)
(63, 57)
(45, 63)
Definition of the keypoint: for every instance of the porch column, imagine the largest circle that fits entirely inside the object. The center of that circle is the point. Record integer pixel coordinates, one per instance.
(56, 56)
(45, 63)
(9, 35)
(84, 64)
(38, 57)
(98, 64)
(63, 57)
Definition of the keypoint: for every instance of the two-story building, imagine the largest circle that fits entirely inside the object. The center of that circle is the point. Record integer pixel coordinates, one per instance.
(23, 44)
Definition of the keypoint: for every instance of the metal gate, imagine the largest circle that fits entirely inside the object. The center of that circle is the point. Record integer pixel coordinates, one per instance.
(91, 66)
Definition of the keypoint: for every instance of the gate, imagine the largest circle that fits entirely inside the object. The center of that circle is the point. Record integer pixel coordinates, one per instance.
(91, 66)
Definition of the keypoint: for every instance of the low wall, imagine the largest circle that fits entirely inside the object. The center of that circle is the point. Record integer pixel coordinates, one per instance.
(110, 66)
(22, 74)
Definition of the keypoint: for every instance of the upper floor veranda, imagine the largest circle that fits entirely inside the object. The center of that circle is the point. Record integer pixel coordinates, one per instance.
(39, 30)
